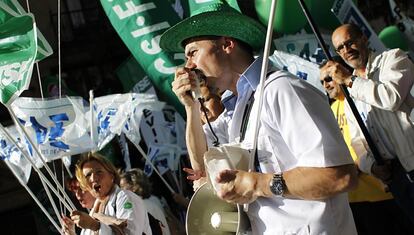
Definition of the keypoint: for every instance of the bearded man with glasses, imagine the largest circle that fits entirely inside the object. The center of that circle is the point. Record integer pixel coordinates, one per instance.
(380, 86)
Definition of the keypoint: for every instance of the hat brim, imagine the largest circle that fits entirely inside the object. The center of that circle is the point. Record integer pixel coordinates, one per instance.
(229, 24)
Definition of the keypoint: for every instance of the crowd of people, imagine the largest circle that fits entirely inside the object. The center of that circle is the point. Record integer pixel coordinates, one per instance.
(315, 173)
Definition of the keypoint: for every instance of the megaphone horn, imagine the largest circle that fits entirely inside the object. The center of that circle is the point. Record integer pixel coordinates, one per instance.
(207, 214)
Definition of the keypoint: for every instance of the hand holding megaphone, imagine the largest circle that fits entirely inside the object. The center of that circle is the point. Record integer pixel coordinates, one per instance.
(186, 85)
(242, 187)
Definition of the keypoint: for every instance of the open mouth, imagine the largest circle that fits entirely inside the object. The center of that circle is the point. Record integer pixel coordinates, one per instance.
(96, 188)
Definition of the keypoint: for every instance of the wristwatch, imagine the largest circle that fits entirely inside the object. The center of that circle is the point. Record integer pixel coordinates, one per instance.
(353, 77)
(277, 185)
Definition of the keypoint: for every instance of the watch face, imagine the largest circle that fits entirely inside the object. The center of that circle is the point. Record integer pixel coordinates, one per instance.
(277, 185)
(279, 188)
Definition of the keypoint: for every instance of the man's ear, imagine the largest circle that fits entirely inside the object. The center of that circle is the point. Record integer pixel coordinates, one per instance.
(228, 45)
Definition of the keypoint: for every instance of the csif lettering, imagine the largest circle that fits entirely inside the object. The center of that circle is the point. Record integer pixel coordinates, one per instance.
(148, 46)
(12, 72)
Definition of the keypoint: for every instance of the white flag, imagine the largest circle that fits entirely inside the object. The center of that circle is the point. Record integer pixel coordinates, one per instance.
(110, 114)
(302, 68)
(57, 126)
(9, 152)
(143, 103)
(163, 156)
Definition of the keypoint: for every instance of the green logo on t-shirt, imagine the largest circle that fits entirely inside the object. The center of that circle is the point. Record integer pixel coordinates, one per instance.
(128, 205)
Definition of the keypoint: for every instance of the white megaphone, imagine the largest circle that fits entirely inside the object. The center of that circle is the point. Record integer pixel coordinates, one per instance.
(207, 214)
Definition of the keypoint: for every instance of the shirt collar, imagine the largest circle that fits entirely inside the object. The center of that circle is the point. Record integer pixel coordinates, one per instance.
(250, 78)
(229, 100)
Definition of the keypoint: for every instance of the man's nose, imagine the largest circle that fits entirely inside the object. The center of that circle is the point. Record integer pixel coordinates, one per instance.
(190, 64)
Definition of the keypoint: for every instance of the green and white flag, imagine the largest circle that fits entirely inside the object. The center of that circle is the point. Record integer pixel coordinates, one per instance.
(140, 24)
(12, 8)
(18, 49)
(197, 4)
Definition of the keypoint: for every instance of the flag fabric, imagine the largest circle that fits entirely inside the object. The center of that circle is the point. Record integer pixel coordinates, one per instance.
(194, 5)
(160, 126)
(110, 114)
(305, 46)
(143, 103)
(164, 157)
(130, 73)
(347, 12)
(11, 153)
(120, 113)
(140, 25)
(57, 126)
(12, 8)
(18, 50)
(298, 66)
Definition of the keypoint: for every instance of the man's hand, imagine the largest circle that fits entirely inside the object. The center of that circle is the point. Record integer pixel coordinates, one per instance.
(83, 220)
(337, 72)
(382, 172)
(243, 187)
(184, 82)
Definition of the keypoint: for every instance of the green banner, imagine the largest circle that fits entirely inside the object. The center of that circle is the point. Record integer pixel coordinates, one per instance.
(140, 24)
(18, 49)
(12, 8)
(196, 4)
(130, 73)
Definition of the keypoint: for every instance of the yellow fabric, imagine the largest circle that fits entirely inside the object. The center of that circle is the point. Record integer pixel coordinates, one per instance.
(369, 188)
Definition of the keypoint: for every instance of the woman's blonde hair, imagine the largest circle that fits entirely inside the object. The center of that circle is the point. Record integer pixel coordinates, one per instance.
(105, 163)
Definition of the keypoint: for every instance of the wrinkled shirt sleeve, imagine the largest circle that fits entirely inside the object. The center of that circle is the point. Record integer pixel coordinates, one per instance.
(396, 76)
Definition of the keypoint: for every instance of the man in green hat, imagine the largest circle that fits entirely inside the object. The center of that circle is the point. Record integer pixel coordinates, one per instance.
(304, 166)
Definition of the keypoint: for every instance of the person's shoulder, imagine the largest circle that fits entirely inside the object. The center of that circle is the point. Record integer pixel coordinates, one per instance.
(396, 52)
(281, 80)
(278, 76)
(128, 195)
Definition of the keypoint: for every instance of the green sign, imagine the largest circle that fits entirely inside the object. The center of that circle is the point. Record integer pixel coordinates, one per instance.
(130, 73)
(18, 49)
(140, 24)
(12, 8)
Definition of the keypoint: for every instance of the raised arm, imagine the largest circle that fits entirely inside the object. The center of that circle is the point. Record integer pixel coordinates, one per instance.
(195, 139)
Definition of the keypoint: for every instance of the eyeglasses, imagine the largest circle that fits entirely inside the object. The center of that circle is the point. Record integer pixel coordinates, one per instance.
(347, 44)
(326, 79)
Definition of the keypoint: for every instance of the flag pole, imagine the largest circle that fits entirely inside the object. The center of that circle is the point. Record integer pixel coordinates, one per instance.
(351, 103)
(41, 175)
(92, 120)
(52, 202)
(32, 195)
(260, 89)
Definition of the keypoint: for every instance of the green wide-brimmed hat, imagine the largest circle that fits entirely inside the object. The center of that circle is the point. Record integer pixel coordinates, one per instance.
(217, 19)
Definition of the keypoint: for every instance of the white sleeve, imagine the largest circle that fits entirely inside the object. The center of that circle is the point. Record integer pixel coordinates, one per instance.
(358, 142)
(396, 77)
(299, 119)
(130, 207)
